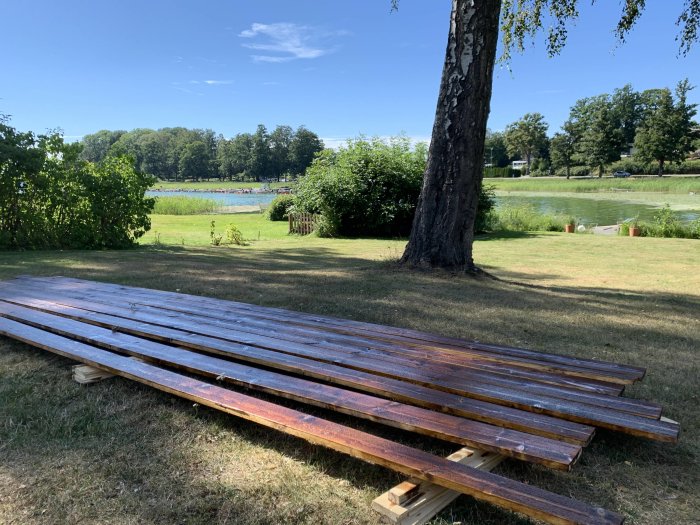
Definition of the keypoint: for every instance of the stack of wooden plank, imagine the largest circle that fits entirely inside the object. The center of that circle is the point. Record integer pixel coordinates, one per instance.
(510, 402)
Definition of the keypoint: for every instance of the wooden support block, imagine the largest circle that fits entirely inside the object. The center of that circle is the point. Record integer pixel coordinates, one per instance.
(86, 374)
(414, 502)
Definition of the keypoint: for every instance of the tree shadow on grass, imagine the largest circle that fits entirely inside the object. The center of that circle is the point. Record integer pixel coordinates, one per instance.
(659, 331)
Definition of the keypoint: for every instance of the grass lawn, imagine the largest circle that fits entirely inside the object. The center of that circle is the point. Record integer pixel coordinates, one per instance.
(117, 452)
(577, 185)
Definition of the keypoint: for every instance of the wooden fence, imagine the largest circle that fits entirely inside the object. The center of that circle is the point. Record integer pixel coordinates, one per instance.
(302, 223)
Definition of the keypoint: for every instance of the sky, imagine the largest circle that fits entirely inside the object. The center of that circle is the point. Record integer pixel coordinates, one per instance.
(339, 68)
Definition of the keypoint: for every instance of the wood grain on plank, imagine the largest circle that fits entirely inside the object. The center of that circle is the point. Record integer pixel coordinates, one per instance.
(504, 492)
(527, 447)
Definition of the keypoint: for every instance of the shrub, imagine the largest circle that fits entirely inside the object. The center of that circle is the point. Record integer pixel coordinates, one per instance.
(233, 235)
(493, 172)
(279, 208)
(369, 187)
(51, 199)
(525, 218)
(179, 205)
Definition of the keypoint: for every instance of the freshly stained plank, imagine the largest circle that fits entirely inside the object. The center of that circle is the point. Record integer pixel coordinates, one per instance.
(527, 447)
(394, 389)
(548, 399)
(632, 373)
(284, 330)
(501, 491)
(587, 414)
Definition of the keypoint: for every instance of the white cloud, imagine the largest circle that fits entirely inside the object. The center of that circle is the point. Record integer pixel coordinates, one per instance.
(284, 41)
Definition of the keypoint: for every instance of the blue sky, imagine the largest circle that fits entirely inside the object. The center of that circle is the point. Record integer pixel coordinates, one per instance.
(340, 68)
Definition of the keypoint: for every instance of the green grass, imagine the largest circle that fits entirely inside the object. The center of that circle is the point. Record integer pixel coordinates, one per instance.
(635, 184)
(117, 452)
(178, 205)
(193, 230)
(214, 185)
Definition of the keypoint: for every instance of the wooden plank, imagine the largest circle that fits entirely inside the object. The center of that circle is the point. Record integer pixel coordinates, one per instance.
(415, 502)
(551, 400)
(632, 373)
(526, 499)
(290, 332)
(587, 414)
(527, 447)
(393, 389)
(565, 365)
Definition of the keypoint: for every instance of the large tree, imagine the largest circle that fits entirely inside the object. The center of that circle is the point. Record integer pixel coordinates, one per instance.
(666, 133)
(527, 137)
(443, 227)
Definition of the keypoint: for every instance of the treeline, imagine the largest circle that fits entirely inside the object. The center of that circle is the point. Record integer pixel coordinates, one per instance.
(179, 154)
(653, 126)
(50, 198)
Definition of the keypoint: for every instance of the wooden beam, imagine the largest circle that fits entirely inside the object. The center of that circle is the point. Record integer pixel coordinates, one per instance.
(610, 418)
(536, 449)
(432, 341)
(415, 502)
(509, 494)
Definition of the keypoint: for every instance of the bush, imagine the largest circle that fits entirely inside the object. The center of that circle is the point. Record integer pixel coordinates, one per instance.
(523, 219)
(635, 167)
(494, 172)
(370, 187)
(184, 205)
(666, 224)
(279, 208)
(51, 199)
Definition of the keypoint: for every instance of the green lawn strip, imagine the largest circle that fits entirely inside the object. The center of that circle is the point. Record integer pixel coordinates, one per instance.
(634, 184)
(120, 453)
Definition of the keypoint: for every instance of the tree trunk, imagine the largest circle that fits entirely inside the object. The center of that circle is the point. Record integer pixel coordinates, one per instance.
(661, 168)
(568, 172)
(443, 226)
(600, 171)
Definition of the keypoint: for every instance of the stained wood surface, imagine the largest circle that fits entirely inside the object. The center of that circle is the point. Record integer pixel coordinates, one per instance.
(406, 392)
(501, 491)
(611, 414)
(536, 449)
(433, 342)
(283, 329)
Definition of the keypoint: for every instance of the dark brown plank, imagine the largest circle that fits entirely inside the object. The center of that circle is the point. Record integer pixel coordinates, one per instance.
(632, 373)
(288, 331)
(519, 445)
(486, 486)
(577, 412)
(393, 389)
(515, 392)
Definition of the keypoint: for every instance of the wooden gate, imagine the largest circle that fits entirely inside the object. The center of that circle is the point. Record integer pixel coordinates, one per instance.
(302, 223)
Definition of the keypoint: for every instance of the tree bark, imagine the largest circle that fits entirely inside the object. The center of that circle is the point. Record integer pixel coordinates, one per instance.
(661, 168)
(443, 226)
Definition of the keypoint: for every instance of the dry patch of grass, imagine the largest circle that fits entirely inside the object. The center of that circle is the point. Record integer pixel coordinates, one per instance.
(116, 452)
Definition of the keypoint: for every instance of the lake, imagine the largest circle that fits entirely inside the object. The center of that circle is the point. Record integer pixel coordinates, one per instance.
(589, 209)
(602, 210)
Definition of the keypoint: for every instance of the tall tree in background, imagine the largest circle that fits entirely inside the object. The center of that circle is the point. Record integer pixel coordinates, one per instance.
(527, 137)
(495, 150)
(666, 133)
(280, 150)
(562, 148)
(304, 147)
(443, 227)
(260, 154)
(601, 139)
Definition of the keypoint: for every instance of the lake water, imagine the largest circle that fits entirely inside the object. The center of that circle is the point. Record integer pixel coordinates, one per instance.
(225, 199)
(589, 211)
